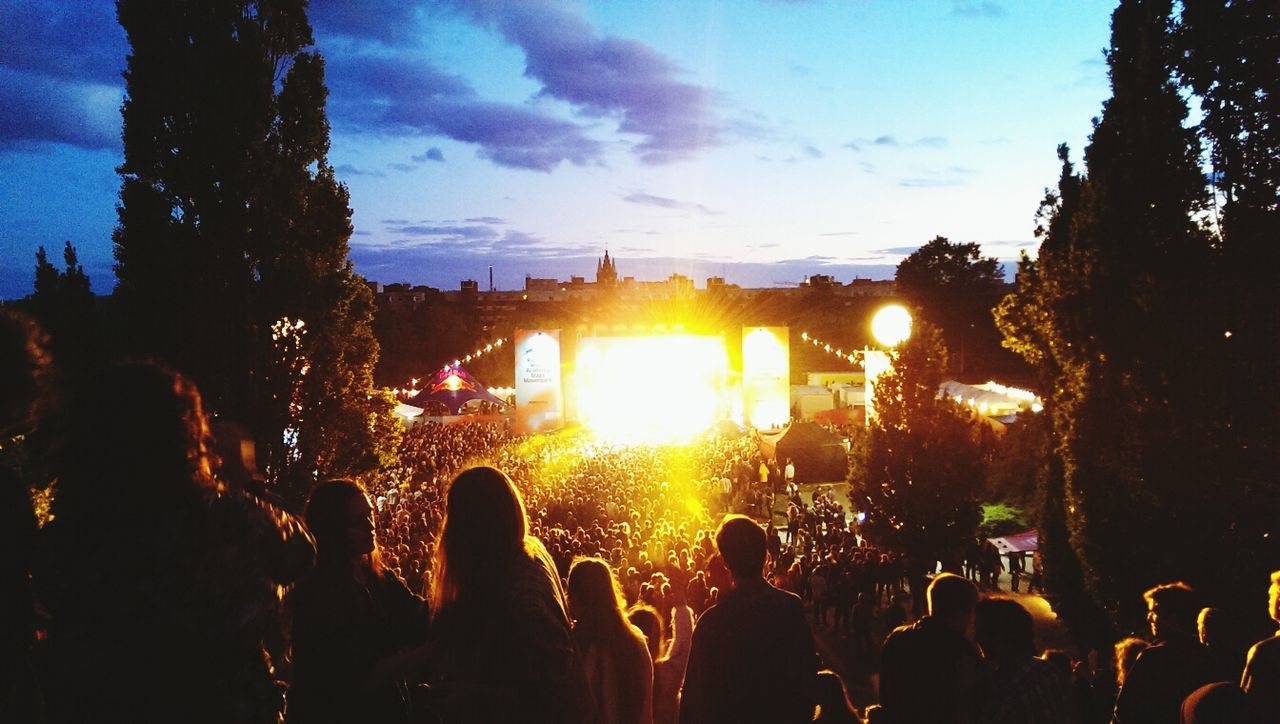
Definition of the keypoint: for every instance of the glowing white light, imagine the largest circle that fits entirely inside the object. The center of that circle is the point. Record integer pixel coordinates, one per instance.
(650, 388)
(891, 325)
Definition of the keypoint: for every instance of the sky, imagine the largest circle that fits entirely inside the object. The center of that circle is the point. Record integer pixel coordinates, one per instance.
(761, 141)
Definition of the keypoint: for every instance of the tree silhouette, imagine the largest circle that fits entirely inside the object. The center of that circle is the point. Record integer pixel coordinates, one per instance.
(231, 247)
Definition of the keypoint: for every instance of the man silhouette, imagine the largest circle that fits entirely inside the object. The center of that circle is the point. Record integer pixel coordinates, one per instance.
(752, 656)
(929, 669)
(1175, 666)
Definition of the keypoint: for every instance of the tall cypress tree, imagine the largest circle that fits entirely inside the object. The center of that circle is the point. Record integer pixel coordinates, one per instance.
(232, 244)
(1124, 318)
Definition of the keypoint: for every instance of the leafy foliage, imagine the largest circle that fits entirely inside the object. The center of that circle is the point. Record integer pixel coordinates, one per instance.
(232, 230)
(1123, 314)
(954, 287)
(919, 474)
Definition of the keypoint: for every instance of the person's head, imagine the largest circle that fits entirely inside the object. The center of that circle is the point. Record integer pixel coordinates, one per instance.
(1127, 650)
(1211, 626)
(1003, 630)
(951, 599)
(137, 437)
(594, 595)
(340, 517)
(646, 618)
(24, 365)
(484, 528)
(833, 699)
(1172, 610)
(1273, 597)
(742, 545)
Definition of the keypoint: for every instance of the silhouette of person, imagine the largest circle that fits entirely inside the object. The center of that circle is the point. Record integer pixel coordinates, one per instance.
(24, 369)
(1261, 679)
(353, 620)
(501, 648)
(754, 640)
(156, 577)
(614, 653)
(929, 669)
(1021, 687)
(1176, 665)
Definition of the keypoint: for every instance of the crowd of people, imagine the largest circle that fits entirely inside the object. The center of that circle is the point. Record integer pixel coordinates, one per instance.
(489, 577)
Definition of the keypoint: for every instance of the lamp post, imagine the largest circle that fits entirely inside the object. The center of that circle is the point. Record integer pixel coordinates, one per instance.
(891, 326)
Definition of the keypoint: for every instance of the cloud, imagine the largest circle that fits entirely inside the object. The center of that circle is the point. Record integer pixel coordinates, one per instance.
(485, 220)
(605, 76)
(60, 70)
(983, 9)
(840, 233)
(640, 197)
(40, 109)
(402, 167)
(927, 183)
(813, 152)
(891, 141)
(389, 22)
(405, 97)
(78, 41)
(347, 169)
(431, 154)
(904, 250)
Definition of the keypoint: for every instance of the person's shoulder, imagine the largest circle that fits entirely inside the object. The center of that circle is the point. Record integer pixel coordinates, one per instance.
(1266, 651)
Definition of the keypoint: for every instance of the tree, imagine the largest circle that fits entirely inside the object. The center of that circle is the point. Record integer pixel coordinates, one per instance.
(954, 287)
(231, 247)
(1123, 315)
(919, 474)
(65, 307)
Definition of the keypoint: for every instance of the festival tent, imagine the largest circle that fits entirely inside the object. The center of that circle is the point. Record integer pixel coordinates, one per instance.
(818, 453)
(453, 387)
(1017, 543)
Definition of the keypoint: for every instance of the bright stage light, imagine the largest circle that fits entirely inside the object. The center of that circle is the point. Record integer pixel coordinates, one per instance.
(644, 389)
(891, 325)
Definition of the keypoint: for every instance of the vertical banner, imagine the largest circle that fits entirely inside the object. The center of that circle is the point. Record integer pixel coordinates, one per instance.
(539, 396)
(766, 376)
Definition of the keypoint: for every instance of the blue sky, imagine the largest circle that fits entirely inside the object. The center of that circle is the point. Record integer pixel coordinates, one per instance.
(761, 141)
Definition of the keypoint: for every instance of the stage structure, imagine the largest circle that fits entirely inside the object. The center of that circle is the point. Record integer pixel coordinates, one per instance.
(766, 376)
(650, 388)
(539, 394)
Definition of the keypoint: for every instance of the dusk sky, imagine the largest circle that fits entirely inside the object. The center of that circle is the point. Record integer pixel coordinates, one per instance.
(760, 141)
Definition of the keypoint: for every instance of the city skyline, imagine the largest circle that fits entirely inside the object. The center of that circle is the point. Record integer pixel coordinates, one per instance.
(760, 142)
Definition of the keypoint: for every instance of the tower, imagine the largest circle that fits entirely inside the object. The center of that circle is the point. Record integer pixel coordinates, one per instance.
(606, 272)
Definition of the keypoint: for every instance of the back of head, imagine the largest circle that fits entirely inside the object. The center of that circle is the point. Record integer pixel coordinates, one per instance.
(833, 699)
(646, 618)
(1004, 629)
(951, 595)
(1175, 606)
(742, 545)
(137, 436)
(485, 525)
(24, 362)
(328, 516)
(595, 601)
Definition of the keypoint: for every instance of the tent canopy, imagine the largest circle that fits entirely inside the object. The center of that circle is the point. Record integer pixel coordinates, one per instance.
(453, 387)
(1017, 543)
(818, 453)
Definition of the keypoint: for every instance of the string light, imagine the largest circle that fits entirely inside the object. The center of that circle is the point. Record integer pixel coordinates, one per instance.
(412, 388)
(854, 358)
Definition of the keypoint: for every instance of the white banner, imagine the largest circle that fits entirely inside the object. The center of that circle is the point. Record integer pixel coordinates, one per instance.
(539, 396)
